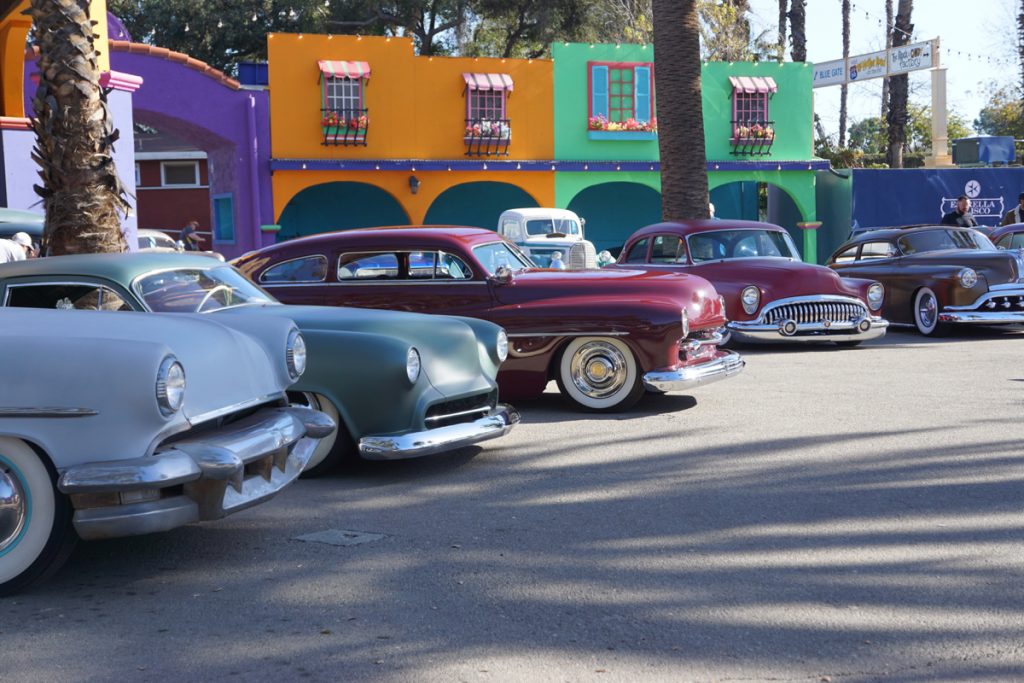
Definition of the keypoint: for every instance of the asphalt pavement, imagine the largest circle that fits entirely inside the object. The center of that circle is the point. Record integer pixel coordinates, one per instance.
(827, 515)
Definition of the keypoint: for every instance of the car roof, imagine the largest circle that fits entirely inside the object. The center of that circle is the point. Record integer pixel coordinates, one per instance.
(436, 234)
(538, 212)
(890, 233)
(690, 227)
(122, 268)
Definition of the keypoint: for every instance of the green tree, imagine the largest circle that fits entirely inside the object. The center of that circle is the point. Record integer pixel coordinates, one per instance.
(684, 178)
(82, 193)
(1002, 115)
(526, 28)
(725, 33)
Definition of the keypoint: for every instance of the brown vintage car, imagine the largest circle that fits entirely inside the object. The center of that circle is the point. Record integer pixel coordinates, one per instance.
(936, 276)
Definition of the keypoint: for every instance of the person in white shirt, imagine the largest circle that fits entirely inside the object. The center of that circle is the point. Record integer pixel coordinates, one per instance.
(15, 249)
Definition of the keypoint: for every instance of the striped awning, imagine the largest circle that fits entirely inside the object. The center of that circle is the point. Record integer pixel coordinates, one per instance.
(488, 81)
(354, 70)
(753, 84)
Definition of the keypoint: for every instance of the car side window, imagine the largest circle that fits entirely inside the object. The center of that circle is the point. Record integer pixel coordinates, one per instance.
(876, 250)
(668, 249)
(451, 267)
(846, 255)
(305, 269)
(511, 230)
(1018, 241)
(1004, 241)
(376, 266)
(638, 252)
(70, 296)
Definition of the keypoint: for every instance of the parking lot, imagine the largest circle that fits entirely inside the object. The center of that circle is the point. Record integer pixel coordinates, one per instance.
(826, 515)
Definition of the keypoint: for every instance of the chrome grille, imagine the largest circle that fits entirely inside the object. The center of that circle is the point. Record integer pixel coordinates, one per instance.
(812, 312)
(460, 410)
(1013, 301)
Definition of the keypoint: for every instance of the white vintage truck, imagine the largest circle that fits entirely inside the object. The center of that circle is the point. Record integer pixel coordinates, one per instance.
(552, 238)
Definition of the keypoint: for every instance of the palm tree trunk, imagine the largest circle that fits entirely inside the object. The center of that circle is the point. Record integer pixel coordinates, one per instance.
(798, 28)
(684, 178)
(898, 88)
(82, 193)
(783, 12)
(885, 81)
(844, 88)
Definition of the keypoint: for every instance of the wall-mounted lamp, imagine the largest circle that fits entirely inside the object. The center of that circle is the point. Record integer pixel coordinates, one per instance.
(414, 184)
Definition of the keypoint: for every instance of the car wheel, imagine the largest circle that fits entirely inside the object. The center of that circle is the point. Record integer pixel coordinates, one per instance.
(333, 450)
(926, 314)
(36, 535)
(599, 374)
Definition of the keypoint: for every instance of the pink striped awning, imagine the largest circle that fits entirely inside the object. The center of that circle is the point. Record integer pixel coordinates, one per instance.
(488, 81)
(354, 70)
(752, 84)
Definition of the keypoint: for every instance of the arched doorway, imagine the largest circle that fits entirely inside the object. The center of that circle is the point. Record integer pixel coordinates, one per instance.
(341, 205)
(753, 200)
(614, 211)
(477, 204)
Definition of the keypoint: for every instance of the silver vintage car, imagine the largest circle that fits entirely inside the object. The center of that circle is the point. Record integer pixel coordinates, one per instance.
(115, 424)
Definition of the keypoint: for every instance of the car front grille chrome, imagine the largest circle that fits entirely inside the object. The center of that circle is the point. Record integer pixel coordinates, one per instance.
(460, 410)
(814, 312)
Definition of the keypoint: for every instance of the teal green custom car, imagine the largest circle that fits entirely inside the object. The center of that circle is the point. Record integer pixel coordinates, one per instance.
(399, 385)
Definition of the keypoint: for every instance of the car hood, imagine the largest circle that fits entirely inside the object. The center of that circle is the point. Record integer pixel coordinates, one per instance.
(448, 347)
(777, 278)
(680, 289)
(224, 367)
(997, 267)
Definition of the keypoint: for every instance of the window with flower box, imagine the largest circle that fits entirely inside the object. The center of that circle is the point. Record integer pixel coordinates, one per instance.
(753, 130)
(344, 118)
(488, 130)
(621, 101)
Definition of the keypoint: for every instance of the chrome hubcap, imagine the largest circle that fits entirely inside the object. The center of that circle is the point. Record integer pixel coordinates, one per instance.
(927, 310)
(598, 370)
(13, 508)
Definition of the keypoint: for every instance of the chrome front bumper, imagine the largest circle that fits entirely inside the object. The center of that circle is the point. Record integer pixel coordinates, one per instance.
(725, 365)
(498, 422)
(846, 330)
(982, 317)
(219, 472)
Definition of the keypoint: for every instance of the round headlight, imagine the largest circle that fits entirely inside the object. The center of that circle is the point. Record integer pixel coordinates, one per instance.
(502, 345)
(170, 386)
(750, 297)
(968, 278)
(685, 317)
(295, 354)
(876, 293)
(412, 364)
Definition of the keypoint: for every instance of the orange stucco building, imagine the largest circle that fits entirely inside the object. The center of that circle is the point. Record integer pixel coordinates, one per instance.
(364, 132)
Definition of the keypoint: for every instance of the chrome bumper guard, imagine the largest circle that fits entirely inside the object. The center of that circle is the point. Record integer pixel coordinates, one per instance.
(498, 422)
(725, 365)
(982, 317)
(848, 330)
(220, 472)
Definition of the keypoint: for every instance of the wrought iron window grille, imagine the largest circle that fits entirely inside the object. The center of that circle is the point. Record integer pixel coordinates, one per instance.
(752, 137)
(344, 127)
(488, 137)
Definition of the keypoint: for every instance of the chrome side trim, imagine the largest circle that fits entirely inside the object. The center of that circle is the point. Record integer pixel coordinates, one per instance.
(498, 422)
(727, 364)
(982, 317)
(527, 335)
(48, 412)
(242, 405)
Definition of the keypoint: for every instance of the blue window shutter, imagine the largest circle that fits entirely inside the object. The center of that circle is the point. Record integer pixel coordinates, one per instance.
(642, 105)
(599, 91)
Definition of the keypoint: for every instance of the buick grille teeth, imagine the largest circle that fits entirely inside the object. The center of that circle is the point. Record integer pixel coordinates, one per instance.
(815, 312)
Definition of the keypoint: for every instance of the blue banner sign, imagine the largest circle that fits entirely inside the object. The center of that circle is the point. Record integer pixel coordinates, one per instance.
(895, 197)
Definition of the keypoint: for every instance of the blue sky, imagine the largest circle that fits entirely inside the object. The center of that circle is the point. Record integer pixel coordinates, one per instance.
(977, 47)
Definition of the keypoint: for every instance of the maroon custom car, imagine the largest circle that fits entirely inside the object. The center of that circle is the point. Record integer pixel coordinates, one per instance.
(1008, 236)
(769, 293)
(604, 336)
(938, 275)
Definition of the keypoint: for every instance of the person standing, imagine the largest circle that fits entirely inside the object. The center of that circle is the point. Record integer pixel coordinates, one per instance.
(17, 248)
(961, 216)
(1016, 214)
(190, 236)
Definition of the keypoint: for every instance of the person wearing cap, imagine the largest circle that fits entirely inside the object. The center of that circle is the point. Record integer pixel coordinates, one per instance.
(17, 248)
(1016, 214)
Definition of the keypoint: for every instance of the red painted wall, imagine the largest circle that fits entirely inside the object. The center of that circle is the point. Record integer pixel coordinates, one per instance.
(170, 209)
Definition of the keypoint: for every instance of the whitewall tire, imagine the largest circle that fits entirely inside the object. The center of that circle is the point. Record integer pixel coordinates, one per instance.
(926, 313)
(332, 450)
(35, 520)
(599, 374)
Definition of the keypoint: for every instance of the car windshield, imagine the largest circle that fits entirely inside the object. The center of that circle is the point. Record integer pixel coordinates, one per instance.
(496, 254)
(734, 244)
(941, 239)
(548, 226)
(195, 290)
